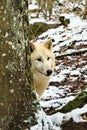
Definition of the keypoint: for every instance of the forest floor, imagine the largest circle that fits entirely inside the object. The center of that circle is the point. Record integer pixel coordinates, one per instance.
(70, 75)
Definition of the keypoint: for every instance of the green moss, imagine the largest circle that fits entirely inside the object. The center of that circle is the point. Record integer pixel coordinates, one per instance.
(37, 28)
(40, 27)
(78, 102)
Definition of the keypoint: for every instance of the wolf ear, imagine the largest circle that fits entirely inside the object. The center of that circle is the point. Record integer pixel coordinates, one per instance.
(32, 46)
(48, 44)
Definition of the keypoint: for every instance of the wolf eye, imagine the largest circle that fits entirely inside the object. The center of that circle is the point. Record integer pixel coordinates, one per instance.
(39, 59)
(48, 58)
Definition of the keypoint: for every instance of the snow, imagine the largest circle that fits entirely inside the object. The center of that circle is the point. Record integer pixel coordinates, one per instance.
(31, 7)
(37, 20)
(57, 96)
(46, 120)
(75, 114)
(4, 54)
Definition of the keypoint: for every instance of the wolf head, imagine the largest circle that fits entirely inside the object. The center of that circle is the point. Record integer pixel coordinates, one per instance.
(42, 58)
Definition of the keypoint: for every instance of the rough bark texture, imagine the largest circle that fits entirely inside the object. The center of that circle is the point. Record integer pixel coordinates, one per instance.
(17, 97)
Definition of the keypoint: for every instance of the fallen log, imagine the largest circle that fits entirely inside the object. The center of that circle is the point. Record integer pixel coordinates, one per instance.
(78, 102)
(76, 52)
(38, 28)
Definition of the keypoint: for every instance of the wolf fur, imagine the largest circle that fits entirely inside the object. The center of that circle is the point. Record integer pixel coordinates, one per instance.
(42, 64)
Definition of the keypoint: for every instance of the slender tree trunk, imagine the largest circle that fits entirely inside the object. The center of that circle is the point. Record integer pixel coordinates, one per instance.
(85, 11)
(18, 102)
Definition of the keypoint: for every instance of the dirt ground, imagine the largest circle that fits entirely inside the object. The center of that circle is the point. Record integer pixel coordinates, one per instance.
(70, 125)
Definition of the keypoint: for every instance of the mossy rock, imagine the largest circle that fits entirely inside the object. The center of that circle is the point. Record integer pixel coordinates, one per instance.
(78, 102)
(39, 27)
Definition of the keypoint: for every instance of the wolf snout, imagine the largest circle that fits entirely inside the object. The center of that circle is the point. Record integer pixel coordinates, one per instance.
(49, 72)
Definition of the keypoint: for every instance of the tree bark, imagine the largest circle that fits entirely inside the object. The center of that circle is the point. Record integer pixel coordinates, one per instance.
(18, 103)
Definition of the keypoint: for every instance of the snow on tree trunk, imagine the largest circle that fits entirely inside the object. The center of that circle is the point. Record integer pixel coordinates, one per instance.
(18, 103)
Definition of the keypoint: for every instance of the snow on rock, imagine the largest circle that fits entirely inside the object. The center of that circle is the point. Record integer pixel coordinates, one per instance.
(60, 118)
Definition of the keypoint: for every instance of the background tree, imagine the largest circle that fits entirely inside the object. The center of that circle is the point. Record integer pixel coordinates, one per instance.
(85, 11)
(18, 103)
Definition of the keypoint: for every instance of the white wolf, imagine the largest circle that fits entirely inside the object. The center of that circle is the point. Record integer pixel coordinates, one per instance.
(42, 64)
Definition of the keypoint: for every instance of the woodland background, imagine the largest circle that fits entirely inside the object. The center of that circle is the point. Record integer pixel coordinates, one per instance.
(64, 104)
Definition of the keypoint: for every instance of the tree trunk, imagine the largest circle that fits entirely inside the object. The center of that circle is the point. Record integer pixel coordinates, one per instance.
(85, 11)
(18, 102)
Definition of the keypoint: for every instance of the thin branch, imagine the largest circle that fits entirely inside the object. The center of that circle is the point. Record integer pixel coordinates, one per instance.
(76, 52)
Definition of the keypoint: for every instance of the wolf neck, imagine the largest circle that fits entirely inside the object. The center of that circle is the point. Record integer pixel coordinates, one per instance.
(41, 82)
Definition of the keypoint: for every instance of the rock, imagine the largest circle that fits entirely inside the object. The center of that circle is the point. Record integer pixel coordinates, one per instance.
(39, 27)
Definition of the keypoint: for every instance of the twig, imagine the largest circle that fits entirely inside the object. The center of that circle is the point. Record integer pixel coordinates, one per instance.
(77, 52)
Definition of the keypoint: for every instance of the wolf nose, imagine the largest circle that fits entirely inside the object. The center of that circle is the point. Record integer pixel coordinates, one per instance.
(49, 72)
